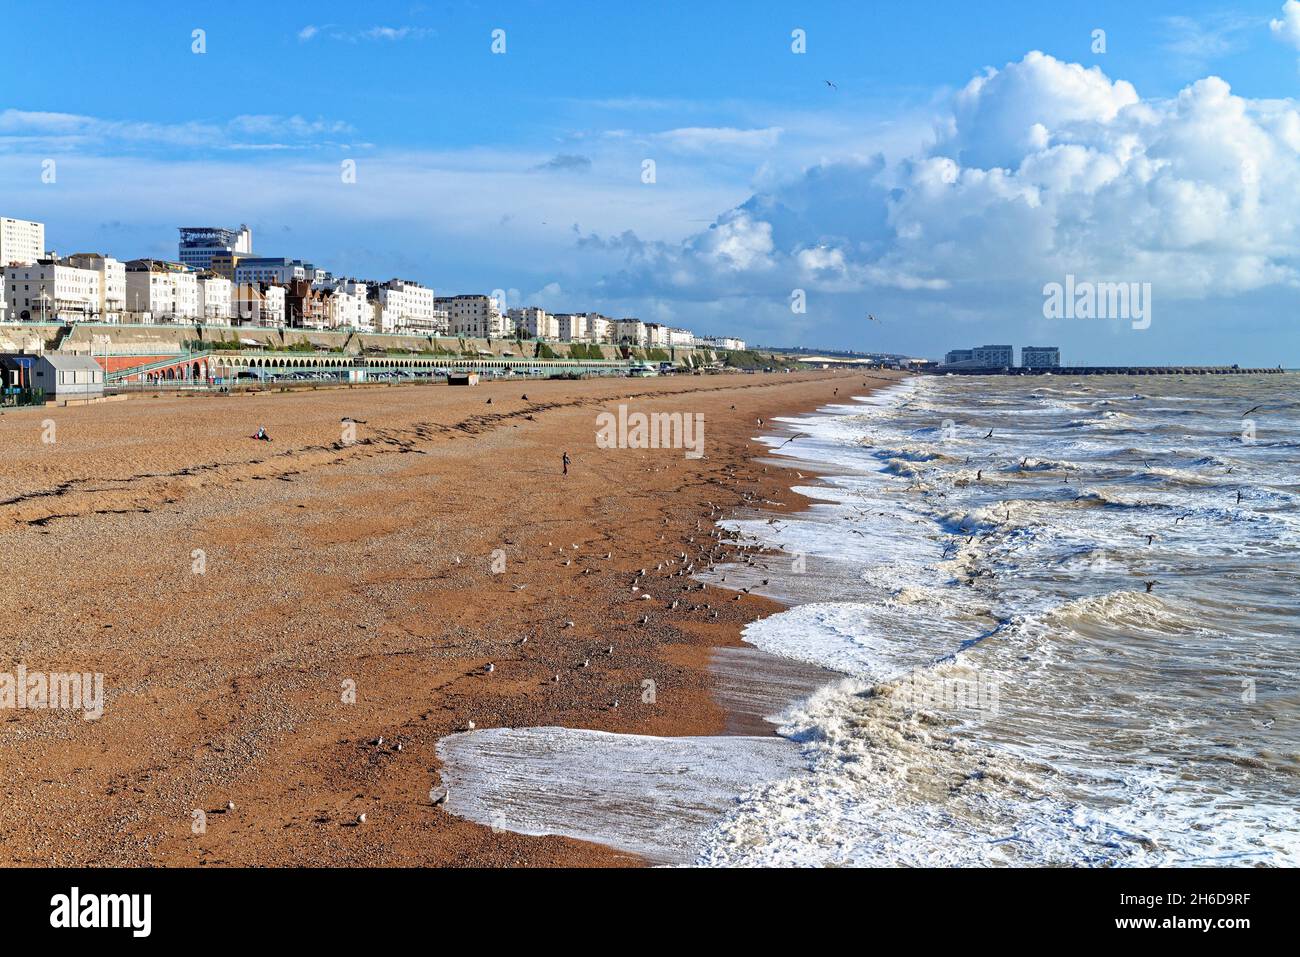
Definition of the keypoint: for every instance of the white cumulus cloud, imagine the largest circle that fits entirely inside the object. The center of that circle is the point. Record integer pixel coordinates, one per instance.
(1287, 27)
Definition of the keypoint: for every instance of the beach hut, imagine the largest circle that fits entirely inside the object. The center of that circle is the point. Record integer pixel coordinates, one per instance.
(68, 376)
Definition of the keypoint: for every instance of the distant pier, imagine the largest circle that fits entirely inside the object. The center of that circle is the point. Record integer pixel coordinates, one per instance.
(1110, 370)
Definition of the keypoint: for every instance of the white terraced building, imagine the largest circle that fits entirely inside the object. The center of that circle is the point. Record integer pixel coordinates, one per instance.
(22, 242)
(656, 336)
(680, 338)
(571, 326)
(597, 327)
(216, 294)
(50, 290)
(112, 283)
(165, 290)
(410, 306)
(536, 322)
(628, 332)
(347, 306)
(720, 342)
(475, 316)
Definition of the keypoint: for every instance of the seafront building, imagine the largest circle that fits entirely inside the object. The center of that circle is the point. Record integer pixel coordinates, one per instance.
(347, 304)
(721, 342)
(52, 290)
(982, 357)
(165, 290)
(22, 242)
(474, 315)
(215, 295)
(597, 327)
(572, 326)
(198, 244)
(272, 269)
(535, 322)
(112, 284)
(1002, 357)
(628, 332)
(405, 305)
(216, 279)
(259, 304)
(1040, 357)
(656, 336)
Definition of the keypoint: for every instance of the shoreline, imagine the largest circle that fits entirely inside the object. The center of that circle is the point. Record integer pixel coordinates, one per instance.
(223, 688)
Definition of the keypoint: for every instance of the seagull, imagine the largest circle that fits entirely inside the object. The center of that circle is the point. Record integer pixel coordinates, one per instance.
(1248, 411)
(871, 318)
(990, 435)
(831, 85)
(348, 418)
(1150, 585)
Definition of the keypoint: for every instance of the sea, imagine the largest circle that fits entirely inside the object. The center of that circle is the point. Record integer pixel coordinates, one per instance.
(1062, 618)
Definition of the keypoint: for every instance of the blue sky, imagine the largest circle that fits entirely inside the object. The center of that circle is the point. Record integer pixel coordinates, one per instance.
(966, 156)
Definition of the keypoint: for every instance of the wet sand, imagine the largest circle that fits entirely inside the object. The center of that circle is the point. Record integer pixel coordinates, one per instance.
(232, 592)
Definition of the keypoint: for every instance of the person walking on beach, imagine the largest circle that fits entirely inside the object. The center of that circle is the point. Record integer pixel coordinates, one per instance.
(565, 461)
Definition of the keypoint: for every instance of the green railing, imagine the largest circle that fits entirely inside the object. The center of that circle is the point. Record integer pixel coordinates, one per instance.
(178, 359)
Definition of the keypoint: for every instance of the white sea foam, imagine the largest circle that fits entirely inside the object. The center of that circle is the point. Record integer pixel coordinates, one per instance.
(1133, 726)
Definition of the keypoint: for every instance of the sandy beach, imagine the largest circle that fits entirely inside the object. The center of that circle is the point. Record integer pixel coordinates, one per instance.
(264, 613)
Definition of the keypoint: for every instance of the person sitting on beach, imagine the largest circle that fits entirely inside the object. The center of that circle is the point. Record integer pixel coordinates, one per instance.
(261, 435)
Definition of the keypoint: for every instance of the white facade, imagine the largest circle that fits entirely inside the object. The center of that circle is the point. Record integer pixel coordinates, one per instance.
(347, 307)
(597, 327)
(215, 298)
(474, 316)
(656, 336)
(258, 305)
(571, 326)
(279, 270)
(628, 331)
(166, 290)
(112, 283)
(720, 342)
(536, 322)
(22, 242)
(411, 306)
(680, 338)
(52, 291)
